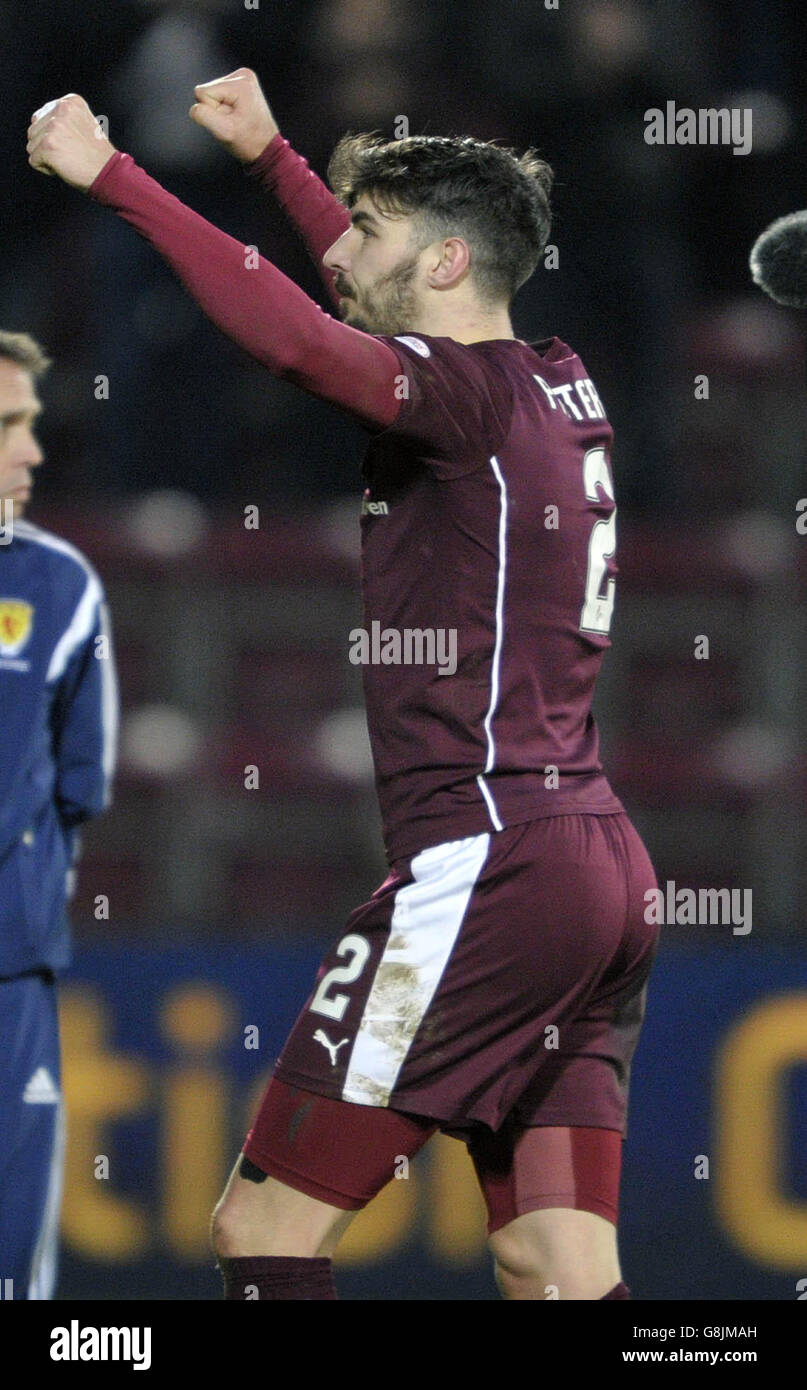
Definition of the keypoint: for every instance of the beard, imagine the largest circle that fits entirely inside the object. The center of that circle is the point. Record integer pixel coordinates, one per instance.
(389, 306)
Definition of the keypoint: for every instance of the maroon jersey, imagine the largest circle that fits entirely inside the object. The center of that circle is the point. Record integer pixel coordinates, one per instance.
(488, 519)
(489, 512)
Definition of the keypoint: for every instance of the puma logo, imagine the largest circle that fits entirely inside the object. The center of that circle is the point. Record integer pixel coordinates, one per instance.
(333, 1048)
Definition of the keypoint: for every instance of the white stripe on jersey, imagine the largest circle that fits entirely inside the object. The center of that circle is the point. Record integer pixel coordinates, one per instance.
(109, 706)
(489, 802)
(497, 647)
(79, 629)
(426, 921)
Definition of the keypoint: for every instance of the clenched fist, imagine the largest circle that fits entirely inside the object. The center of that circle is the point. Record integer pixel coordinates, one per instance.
(64, 138)
(235, 110)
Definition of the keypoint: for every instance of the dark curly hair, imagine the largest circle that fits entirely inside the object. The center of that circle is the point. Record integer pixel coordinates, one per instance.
(497, 200)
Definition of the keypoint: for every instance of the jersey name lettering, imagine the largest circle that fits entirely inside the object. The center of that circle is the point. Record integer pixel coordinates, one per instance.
(563, 396)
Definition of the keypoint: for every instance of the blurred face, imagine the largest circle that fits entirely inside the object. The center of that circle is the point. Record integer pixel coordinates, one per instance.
(375, 271)
(20, 453)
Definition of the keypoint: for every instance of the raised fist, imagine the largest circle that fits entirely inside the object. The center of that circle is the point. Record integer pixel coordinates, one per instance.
(64, 138)
(235, 110)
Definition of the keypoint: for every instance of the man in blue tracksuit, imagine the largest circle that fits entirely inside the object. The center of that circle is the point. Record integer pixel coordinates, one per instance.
(58, 734)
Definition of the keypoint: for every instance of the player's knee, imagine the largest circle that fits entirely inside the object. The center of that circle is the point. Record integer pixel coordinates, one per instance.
(521, 1283)
(233, 1230)
(231, 1225)
(540, 1259)
(533, 1273)
(224, 1229)
(522, 1266)
(529, 1271)
(562, 1282)
(232, 1218)
(516, 1262)
(531, 1261)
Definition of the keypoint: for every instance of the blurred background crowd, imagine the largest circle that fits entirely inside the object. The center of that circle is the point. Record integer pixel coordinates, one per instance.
(232, 640)
(649, 237)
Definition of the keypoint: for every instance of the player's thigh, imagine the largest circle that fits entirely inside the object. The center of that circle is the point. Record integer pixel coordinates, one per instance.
(309, 1163)
(552, 1195)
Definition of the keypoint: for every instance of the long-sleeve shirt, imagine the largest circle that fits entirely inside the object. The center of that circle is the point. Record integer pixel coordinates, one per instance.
(311, 208)
(488, 524)
(254, 303)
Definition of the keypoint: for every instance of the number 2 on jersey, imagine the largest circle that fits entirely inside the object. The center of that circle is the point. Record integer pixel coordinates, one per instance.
(598, 608)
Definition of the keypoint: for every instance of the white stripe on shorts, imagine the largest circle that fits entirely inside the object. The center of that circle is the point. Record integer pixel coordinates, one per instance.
(426, 921)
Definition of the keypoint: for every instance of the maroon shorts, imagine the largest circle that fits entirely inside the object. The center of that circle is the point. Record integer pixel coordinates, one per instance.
(494, 981)
(344, 1154)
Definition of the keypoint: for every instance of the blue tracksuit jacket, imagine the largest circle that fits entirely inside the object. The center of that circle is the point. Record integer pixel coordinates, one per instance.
(58, 736)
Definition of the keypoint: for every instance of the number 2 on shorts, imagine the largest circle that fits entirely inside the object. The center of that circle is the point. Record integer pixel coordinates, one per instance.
(359, 949)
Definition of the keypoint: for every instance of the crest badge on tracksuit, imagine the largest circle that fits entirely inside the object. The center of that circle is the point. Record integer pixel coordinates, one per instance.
(16, 621)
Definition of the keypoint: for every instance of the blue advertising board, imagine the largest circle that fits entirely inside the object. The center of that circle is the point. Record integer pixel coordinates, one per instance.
(167, 1052)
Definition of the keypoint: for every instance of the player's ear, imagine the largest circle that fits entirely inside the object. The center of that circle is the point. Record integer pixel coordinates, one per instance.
(451, 263)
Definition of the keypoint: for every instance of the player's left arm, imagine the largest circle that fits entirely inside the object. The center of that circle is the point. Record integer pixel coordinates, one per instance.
(310, 206)
(84, 711)
(236, 113)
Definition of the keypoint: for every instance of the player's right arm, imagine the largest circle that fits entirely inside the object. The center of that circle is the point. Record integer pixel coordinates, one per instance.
(235, 111)
(246, 296)
(451, 396)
